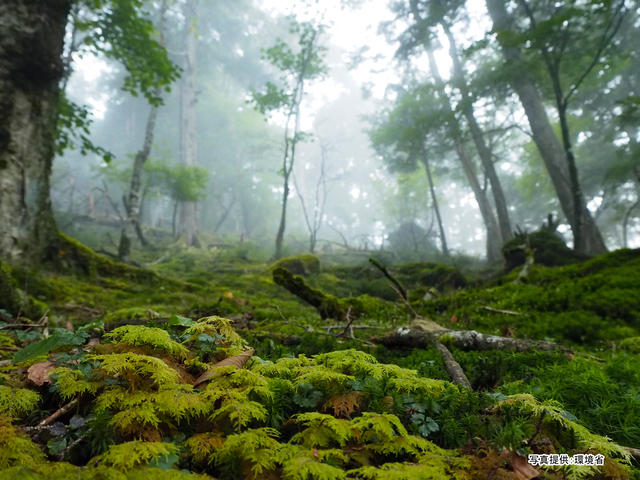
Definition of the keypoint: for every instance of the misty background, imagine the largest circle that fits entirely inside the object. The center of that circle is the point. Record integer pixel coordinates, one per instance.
(351, 186)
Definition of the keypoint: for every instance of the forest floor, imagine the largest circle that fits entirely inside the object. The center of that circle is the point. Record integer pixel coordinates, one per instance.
(207, 366)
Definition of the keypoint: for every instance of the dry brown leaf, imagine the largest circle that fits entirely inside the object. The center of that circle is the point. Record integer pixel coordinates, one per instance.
(344, 404)
(521, 467)
(237, 360)
(38, 373)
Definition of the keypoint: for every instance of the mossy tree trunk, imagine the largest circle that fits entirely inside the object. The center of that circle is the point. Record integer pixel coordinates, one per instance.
(31, 45)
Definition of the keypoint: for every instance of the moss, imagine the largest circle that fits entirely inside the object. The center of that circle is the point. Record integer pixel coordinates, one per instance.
(550, 250)
(631, 345)
(15, 301)
(305, 264)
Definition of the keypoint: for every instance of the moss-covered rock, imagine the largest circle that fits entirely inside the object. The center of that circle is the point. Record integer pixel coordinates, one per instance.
(305, 264)
(550, 250)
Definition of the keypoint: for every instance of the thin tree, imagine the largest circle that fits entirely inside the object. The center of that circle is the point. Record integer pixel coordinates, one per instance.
(298, 69)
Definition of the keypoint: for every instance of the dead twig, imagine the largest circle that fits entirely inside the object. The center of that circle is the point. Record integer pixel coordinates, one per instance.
(17, 325)
(538, 428)
(453, 368)
(408, 305)
(506, 312)
(349, 322)
(401, 290)
(59, 413)
(287, 322)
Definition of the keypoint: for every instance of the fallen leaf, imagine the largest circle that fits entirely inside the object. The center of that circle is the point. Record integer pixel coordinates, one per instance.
(227, 295)
(454, 319)
(237, 360)
(521, 467)
(38, 373)
(68, 326)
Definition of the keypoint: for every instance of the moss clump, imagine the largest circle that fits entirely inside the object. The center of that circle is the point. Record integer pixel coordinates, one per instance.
(305, 264)
(631, 345)
(550, 250)
(14, 301)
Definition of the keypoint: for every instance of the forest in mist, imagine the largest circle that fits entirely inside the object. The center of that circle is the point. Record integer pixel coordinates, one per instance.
(319, 240)
(411, 85)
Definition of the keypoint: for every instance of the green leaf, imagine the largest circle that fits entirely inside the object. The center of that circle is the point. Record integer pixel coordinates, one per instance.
(182, 321)
(165, 462)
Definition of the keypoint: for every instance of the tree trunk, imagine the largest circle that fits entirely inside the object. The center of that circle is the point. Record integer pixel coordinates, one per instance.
(188, 215)
(31, 45)
(443, 237)
(131, 226)
(494, 238)
(478, 138)
(550, 148)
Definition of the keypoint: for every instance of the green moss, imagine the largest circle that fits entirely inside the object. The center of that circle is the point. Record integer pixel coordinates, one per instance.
(550, 250)
(305, 264)
(14, 300)
(631, 345)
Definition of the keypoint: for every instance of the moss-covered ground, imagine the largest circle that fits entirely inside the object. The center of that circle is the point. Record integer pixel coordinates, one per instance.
(310, 404)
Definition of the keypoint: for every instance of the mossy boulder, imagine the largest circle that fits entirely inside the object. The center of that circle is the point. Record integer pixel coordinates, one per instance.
(305, 264)
(550, 250)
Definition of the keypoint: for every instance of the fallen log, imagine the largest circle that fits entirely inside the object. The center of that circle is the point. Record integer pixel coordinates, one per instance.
(465, 340)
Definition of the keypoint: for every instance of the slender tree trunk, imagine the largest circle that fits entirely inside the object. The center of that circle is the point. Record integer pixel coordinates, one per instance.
(494, 238)
(478, 138)
(188, 214)
(436, 208)
(554, 155)
(31, 46)
(131, 226)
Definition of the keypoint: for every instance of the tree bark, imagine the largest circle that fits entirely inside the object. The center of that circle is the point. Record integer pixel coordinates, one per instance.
(31, 46)
(551, 150)
(436, 208)
(131, 226)
(494, 238)
(188, 213)
(465, 340)
(478, 138)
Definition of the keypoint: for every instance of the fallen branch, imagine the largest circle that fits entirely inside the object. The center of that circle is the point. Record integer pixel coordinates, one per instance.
(635, 453)
(59, 413)
(287, 322)
(465, 340)
(328, 328)
(401, 290)
(17, 325)
(453, 368)
(506, 312)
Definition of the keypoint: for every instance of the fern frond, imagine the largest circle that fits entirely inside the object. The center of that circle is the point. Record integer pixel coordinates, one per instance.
(240, 410)
(136, 419)
(305, 464)
(322, 430)
(320, 376)
(15, 402)
(203, 445)
(136, 368)
(258, 447)
(16, 449)
(72, 382)
(131, 454)
(378, 427)
(156, 338)
(233, 343)
(404, 471)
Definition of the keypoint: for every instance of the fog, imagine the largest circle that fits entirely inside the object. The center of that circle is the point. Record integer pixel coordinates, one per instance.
(358, 180)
